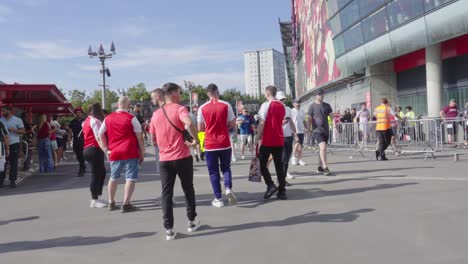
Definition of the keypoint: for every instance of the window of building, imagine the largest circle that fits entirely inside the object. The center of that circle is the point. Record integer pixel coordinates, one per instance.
(368, 6)
(375, 25)
(431, 4)
(335, 25)
(353, 37)
(349, 14)
(332, 6)
(401, 11)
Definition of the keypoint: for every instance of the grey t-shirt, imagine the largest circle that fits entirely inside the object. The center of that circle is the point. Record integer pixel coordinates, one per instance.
(319, 114)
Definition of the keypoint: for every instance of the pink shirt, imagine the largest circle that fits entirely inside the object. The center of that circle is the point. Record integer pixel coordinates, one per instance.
(170, 141)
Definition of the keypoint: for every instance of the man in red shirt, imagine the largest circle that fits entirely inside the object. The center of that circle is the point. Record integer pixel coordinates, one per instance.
(215, 118)
(122, 140)
(169, 122)
(450, 112)
(270, 136)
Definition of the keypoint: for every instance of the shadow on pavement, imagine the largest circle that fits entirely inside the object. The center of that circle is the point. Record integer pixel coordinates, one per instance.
(338, 173)
(290, 221)
(19, 220)
(326, 181)
(73, 241)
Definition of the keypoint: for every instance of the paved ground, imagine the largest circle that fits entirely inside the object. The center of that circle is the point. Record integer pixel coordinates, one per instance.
(402, 211)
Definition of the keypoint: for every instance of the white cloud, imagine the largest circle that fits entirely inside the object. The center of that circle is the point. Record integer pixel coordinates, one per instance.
(224, 80)
(133, 27)
(5, 11)
(173, 56)
(51, 50)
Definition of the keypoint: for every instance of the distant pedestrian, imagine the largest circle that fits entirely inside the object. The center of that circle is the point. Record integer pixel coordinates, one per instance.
(15, 128)
(298, 117)
(465, 115)
(383, 127)
(289, 129)
(78, 139)
(169, 123)
(4, 147)
(363, 117)
(44, 151)
(215, 118)
(28, 138)
(448, 114)
(125, 147)
(271, 139)
(319, 112)
(94, 155)
(245, 124)
(157, 98)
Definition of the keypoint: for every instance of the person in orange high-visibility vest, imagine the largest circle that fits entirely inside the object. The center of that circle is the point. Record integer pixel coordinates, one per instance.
(383, 113)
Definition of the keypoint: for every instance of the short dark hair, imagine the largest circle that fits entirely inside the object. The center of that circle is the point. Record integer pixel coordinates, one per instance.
(158, 91)
(409, 108)
(364, 104)
(137, 105)
(212, 88)
(95, 111)
(54, 117)
(384, 100)
(169, 88)
(6, 107)
(272, 89)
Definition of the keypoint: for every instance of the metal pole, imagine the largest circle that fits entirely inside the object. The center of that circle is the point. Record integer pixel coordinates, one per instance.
(259, 69)
(103, 83)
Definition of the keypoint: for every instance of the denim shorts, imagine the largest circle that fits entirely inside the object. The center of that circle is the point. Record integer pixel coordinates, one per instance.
(131, 169)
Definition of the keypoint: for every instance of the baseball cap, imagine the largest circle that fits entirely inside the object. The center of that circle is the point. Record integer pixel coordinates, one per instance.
(78, 109)
(280, 95)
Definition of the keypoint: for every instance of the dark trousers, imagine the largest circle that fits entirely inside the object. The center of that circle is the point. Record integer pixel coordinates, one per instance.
(13, 161)
(78, 149)
(384, 137)
(169, 170)
(95, 157)
(215, 159)
(277, 153)
(287, 151)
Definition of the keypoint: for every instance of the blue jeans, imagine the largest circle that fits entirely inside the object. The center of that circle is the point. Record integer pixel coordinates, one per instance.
(46, 164)
(215, 159)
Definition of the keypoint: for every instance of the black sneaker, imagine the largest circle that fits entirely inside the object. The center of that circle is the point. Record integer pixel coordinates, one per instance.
(383, 157)
(282, 195)
(12, 185)
(320, 170)
(112, 206)
(197, 158)
(270, 191)
(288, 184)
(377, 155)
(327, 172)
(128, 208)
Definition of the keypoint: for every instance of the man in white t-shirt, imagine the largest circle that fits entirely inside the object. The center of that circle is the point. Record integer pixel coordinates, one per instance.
(298, 117)
(363, 116)
(289, 130)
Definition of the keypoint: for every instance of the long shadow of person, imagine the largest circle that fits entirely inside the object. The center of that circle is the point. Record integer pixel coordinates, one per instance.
(18, 220)
(73, 241)
(290, 221)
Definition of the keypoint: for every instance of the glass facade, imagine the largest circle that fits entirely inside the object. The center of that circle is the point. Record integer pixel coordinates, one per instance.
(373, 18)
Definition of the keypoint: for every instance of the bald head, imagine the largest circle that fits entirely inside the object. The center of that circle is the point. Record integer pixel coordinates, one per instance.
(124, 102)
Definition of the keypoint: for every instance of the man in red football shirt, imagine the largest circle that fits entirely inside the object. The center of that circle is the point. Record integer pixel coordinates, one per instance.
(270, 136)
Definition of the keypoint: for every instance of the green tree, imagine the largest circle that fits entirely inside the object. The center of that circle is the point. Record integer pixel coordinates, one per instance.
(96, 97)
(231, 95)
(138, 93)
(77, 97)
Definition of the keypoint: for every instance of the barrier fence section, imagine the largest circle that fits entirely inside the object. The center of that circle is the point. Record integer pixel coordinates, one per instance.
(454, 134)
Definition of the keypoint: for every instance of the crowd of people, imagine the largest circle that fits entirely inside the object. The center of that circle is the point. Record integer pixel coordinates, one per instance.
(275, 134)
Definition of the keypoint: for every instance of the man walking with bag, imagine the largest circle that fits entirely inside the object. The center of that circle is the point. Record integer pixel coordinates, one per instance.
(270, 138)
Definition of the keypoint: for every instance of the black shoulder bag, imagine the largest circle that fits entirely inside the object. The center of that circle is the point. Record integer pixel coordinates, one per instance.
(185, 133)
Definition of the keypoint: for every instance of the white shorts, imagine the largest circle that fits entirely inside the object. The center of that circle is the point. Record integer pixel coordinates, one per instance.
(246, 139)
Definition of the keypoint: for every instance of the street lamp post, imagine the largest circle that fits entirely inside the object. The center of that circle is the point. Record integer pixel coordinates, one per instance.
(189, 85)
(102, 55)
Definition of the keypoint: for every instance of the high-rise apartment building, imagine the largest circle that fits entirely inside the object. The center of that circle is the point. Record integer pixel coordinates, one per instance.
(262, 68)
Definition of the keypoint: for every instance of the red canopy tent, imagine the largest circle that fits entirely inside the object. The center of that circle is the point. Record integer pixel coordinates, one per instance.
(35, 98)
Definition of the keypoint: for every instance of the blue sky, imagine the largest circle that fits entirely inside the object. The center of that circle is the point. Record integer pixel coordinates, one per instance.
(46, 41)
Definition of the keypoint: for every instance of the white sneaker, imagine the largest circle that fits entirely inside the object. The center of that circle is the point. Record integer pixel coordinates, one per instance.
(217, 203)
(233, 159)
(294, 161)
(98, 204)
(193, 225)
(171, 234)
(289, 176)
(231, 197)
(302, 163)
(243, 157)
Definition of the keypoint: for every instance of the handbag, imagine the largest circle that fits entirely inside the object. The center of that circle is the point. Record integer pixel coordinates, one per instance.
(255, 174)
(185, 133)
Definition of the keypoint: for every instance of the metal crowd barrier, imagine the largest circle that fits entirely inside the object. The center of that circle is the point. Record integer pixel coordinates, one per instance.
(453, 134)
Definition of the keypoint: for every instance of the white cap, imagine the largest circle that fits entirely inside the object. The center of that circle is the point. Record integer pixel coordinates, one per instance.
(280, 95)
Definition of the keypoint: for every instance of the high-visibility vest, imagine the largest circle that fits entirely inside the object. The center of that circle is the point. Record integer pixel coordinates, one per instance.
(382, 114)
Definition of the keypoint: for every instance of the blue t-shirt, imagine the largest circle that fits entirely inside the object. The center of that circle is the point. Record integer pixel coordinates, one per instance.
(13, 122)
(245, 125)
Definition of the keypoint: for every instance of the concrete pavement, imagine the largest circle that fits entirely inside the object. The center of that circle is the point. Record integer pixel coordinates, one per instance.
(406, 210)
